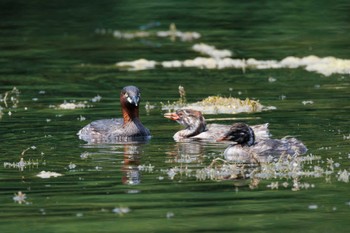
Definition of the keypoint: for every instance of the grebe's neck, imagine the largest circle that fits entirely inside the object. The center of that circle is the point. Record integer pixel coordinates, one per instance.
(195, 127)
(130, 111)
(130, 114)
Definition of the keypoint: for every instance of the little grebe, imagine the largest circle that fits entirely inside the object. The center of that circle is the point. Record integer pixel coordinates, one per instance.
(196, 127)
(128, 128)
(246, 150)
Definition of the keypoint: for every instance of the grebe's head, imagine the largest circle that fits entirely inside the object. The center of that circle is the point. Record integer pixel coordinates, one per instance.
(130, 96)
(240, 133)
(187, 117)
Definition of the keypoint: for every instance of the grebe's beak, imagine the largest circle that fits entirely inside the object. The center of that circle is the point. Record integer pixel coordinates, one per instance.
(133, 100)
(172, 116)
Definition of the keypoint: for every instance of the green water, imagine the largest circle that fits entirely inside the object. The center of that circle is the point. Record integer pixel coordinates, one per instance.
(50, 52)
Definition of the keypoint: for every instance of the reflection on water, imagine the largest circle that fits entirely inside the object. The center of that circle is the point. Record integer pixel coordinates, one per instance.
(131, 164)
(131, 153)
(186, 152)
(189, 160)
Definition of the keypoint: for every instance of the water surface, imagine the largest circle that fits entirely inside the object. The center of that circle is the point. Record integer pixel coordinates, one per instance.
(51, 53)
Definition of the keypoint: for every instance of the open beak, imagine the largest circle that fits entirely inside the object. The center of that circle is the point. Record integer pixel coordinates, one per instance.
(172, 116)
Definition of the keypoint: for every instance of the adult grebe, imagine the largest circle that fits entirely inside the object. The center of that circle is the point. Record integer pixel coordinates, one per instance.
(128, 128)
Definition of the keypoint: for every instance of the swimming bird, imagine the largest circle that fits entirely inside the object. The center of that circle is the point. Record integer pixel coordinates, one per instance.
(128, 128)
(196, 127)
(247, 150)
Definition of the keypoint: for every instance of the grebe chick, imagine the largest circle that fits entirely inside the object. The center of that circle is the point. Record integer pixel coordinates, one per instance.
(128, 128)
(267, 150)
(197, 128)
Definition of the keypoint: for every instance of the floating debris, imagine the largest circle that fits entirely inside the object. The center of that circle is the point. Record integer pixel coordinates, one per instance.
(81, 118)
(140, 64)
(149, 107)
(286, 172)
(96, 99)
(20, 197)
(85, 155)
(344, 176)
(48, 174)
(130, 35)
(217, 104)
(305, 102)
(325, 66)
(273, 185)
(72, 104)
(211, 51)
(22, 164)
(221, 59)
(79, 215)
(147, 168)
(9, 100)
(221, 105)
(171, 64)
(66, 105)
(169, 215)
(272, 79)
(172, 172)
(121, 210)
(228, 105)
(313, 207)
(172, 33)
(72, 166)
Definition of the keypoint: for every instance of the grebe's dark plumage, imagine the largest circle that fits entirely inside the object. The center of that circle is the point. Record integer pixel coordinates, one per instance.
(128, 128)
(197, 128)
(240, 133)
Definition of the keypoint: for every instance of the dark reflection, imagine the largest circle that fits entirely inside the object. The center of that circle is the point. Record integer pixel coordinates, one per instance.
(131, 151)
